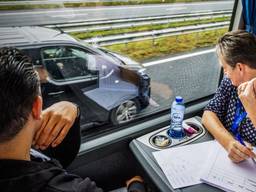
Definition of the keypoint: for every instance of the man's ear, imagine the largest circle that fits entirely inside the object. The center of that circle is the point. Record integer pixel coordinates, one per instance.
(37, 107)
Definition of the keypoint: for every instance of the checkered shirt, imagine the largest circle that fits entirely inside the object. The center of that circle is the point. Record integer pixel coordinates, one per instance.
(224, 105)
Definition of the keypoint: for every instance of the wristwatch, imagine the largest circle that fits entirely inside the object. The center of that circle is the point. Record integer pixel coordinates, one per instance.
(78, 110)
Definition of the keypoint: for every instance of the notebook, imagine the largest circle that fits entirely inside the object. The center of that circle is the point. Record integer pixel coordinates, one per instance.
(206, 162)
(221, 172)
(182, 165)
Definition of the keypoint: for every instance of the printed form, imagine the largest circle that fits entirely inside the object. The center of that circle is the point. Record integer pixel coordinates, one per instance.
(183, 165)
(224, 174)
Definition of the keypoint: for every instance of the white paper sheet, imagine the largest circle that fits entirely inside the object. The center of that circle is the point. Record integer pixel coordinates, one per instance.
(183, 165)
(224, 174)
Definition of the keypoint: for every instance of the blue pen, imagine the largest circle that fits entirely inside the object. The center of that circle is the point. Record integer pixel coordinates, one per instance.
(240, 114)
(238, 138)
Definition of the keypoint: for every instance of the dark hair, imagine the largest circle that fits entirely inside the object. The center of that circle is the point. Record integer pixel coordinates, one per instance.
(19, 87)
(238, 47)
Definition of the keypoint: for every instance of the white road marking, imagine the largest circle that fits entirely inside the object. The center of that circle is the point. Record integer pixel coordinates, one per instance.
(153, 103)
(84, 14)
(207, 10)
(178, 8)
(70, 15)
(177, 58)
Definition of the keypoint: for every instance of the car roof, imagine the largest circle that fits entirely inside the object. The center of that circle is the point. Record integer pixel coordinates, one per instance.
(31, 35)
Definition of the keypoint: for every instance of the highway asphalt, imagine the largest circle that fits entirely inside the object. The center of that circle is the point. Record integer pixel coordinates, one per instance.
(65, 15)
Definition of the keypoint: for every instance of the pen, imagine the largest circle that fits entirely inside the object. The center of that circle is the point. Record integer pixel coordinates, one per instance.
(238, 137)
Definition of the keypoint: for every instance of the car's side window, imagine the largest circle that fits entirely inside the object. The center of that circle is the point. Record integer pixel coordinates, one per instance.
(66, 63)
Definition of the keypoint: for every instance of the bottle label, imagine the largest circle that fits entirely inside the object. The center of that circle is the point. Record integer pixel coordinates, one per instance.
(177, 117)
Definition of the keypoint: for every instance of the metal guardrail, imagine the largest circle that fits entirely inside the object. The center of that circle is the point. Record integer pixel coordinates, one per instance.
(140, 19)
(138, 36)
(125, 38)
(136, 24)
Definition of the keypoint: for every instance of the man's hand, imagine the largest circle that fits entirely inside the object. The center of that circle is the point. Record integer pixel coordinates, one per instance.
(56, 122)
(238, 152)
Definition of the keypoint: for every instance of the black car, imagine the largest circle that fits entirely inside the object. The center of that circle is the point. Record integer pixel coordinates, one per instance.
(107, 86)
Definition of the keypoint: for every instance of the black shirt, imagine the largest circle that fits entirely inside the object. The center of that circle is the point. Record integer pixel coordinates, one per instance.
(41, 176)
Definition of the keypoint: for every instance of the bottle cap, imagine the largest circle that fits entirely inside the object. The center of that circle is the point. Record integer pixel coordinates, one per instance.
(178, 99)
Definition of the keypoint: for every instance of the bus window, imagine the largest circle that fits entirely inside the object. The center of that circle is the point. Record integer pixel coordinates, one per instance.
(135, 56)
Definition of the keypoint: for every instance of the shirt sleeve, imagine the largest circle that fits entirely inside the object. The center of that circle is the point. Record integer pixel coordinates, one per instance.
(218, 104)
(62, 181)
(71, 183)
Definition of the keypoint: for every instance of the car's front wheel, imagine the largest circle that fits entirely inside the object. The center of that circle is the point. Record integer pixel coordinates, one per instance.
(125, 112)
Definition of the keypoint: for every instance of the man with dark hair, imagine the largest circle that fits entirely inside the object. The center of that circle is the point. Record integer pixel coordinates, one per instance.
(21, 125)
(225, 116)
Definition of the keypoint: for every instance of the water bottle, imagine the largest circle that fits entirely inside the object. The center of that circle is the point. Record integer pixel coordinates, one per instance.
(177, 114)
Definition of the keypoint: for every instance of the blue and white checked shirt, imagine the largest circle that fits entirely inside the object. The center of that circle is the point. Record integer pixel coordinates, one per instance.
(224, 105)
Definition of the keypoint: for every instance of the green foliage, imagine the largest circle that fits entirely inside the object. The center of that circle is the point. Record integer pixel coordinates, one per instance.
(29, 6)
(162, 47)
(129, 2)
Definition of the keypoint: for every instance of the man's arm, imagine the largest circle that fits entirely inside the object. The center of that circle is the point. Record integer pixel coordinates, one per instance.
(236, 151)
(59, 180)
(56, 122)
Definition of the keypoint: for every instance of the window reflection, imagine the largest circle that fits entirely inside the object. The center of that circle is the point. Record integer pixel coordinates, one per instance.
(132, 58)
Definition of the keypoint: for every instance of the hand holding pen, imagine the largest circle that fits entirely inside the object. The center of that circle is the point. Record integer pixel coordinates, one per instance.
(237, 149)
(238, 152)
(239, 138)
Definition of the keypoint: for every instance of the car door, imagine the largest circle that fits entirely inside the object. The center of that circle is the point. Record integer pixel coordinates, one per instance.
(69, 71)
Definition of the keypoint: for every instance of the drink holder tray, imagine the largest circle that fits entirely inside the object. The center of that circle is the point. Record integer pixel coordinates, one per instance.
(161, 140)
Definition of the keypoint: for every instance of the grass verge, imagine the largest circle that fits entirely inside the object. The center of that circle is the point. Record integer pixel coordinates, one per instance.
(162, 47)
(28, 6)
(86, 35)
(129, 2)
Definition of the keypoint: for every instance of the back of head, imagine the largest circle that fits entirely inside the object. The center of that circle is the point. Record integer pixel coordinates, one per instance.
(19, 87)
(238, 47)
